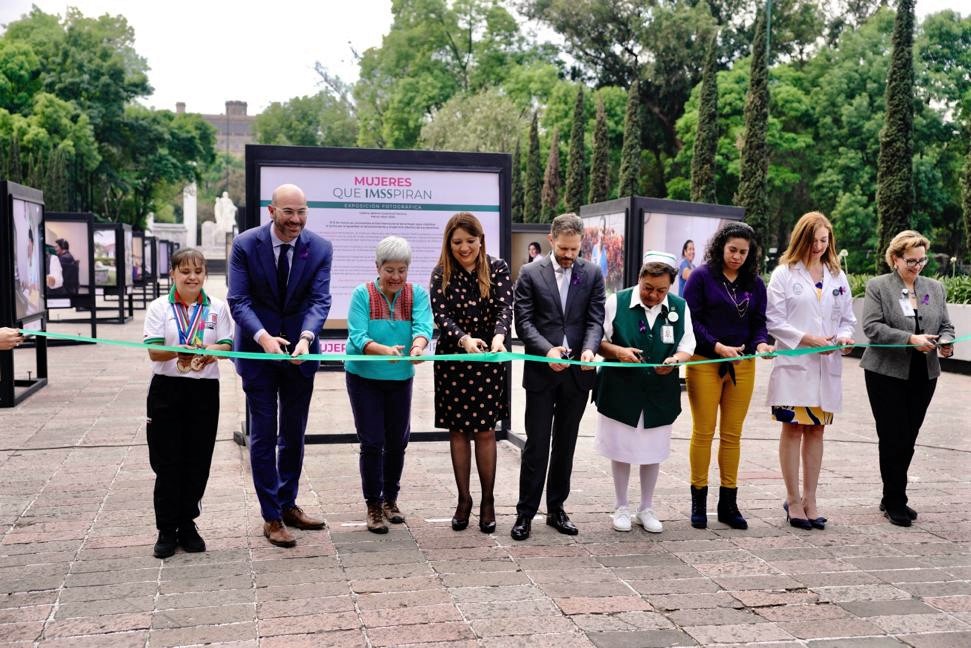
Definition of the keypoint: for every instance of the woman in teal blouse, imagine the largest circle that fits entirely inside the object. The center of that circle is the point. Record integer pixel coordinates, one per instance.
(387, 316)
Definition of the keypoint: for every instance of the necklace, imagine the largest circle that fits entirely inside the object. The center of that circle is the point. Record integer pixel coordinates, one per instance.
(741, 307)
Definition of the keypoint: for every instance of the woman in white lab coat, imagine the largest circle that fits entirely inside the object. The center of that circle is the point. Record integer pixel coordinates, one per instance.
(809, 305)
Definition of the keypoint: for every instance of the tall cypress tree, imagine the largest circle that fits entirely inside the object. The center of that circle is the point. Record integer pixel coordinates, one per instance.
(551, 180)
(630, 153)
(576, 172)
(966, 203)
(752, 194)
(895, 175)
(706, 138)
(600, 164)
(534, 177)
(517, 185)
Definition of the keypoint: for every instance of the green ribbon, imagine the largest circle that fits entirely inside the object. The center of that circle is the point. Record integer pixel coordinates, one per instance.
(460, 357)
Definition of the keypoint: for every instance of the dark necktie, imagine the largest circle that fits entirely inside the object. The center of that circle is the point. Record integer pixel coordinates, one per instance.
(283, 272)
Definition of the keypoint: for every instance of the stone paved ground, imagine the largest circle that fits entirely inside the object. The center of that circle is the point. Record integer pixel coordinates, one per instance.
(76, 530)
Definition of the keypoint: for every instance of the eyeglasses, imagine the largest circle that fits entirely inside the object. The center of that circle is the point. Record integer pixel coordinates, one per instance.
(913, 263)
(290, 213)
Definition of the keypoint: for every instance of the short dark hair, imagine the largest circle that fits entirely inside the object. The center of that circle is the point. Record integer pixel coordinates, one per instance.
(186, 256)
(657, 269)
(63, 244)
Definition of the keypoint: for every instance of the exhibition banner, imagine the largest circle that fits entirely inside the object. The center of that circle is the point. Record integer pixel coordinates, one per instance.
(354, 208)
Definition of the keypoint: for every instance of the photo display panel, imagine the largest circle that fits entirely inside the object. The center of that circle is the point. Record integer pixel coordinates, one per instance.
(68, 241)
(354, 208)
(604, 237)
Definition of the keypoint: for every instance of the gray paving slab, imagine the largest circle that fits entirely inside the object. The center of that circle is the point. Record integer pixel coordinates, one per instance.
(76, 531)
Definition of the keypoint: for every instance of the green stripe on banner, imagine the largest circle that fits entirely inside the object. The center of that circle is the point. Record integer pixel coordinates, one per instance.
(364, 204)
(460, 357)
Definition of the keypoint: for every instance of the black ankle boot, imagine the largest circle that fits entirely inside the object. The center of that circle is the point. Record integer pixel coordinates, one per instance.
(699, 507)
(728, 512)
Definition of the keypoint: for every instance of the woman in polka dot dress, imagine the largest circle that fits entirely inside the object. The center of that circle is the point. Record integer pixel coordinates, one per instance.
(471, 296)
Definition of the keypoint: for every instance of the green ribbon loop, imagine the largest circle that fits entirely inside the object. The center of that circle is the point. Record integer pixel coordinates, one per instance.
(460, 357)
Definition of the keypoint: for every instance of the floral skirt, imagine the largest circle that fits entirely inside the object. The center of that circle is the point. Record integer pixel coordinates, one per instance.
(801, 415)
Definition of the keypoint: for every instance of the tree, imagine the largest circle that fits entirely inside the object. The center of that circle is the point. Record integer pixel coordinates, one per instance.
(485, 121)
(895, 175)
(754, 168)
(517, 184)
(576, 171)
(630, 155)
(706, 141)
(600, 163)
(966, 203)
(552, 182)
(532, 209)
(317, 120)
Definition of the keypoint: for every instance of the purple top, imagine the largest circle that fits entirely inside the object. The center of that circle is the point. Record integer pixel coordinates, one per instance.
(723, 311)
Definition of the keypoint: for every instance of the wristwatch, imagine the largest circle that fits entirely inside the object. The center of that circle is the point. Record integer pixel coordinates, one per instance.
(308, 337)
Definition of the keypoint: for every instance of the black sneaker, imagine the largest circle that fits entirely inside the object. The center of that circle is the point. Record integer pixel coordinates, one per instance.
(190, 540)
(165, 545)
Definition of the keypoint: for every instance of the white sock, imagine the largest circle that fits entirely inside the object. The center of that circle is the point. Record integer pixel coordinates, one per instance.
(621, 473)
(649, 473)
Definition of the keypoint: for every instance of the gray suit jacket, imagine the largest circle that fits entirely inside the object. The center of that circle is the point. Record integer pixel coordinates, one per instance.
(884, 322)
(541, 322)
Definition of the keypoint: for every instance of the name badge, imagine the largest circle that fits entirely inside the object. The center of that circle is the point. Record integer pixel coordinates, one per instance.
(667, 334)
(906, 307)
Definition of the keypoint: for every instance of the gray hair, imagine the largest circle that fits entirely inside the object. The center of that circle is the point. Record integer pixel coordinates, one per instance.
(393, 249)
(568, 224)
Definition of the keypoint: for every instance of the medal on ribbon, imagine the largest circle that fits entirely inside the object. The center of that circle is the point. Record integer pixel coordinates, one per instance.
(191, 328)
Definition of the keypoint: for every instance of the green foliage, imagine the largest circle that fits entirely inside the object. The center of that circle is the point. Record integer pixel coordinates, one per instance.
(706, 141)
(958, 288)
(753, 170)
(485, 121)
(966, 204)
(434, 50)
(600, 162)
(630, 155)
(895, 175)
(322, 119)
(517, 184)
(552, 180)
(532, 208)
(576, 171)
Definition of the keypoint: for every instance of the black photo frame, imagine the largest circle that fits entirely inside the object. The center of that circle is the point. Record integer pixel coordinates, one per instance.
(76, 229)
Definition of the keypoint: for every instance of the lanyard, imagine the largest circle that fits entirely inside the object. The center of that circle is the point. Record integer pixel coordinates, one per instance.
(190, 328)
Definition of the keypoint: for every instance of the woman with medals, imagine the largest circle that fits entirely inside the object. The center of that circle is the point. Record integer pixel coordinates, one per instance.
(727, 298)
(183, 399)
(809, 305)
(908, 312)
(637, 407)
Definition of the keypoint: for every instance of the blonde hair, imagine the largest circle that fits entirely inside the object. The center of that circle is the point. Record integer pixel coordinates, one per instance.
(903, 242)
(802, 238)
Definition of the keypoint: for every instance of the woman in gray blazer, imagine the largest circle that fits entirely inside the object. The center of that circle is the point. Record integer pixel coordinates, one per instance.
(902, 308)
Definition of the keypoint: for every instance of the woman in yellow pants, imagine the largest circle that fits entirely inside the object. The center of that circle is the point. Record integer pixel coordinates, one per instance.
(727, 300)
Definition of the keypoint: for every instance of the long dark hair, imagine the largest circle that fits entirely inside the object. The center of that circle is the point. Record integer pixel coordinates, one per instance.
(715, 254)
(447, 262)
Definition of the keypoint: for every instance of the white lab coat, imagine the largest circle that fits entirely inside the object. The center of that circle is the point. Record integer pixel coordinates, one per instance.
(813, 380)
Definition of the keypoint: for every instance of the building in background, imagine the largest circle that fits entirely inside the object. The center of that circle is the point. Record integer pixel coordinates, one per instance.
(234, 128)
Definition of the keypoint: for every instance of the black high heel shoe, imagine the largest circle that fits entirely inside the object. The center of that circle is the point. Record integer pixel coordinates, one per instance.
(487, 517)
(460, 519)
(818, 523)
(799, 523)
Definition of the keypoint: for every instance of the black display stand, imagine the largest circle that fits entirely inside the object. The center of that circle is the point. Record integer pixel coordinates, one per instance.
(81, 297)
(116, 237)
(22, 207)
(151, 270)
(303, 158)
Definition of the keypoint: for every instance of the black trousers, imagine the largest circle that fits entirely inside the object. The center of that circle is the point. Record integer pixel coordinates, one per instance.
(898, 408)
(552, 423)
(183, 414)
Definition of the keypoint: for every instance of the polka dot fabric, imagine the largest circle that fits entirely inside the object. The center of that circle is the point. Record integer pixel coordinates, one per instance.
(470, 397)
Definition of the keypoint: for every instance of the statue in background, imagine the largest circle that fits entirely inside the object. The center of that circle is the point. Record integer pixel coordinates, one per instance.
(225, 212)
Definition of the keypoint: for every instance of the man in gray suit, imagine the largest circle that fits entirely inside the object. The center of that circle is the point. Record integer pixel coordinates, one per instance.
(559, 310)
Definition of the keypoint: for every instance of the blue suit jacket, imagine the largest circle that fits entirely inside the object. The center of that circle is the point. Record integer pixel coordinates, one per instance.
(254, 300)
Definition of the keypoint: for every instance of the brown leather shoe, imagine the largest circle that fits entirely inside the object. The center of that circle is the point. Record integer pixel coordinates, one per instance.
(278, 534)
(295, 517)
(375, 519)
(393, 513)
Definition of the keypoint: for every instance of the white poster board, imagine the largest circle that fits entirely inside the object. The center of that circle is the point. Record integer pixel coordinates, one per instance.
(354, 208)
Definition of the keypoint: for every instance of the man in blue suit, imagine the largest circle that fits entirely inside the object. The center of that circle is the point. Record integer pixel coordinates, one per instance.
(280, 297)
(559, 309)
